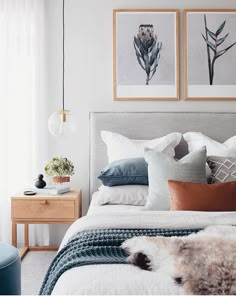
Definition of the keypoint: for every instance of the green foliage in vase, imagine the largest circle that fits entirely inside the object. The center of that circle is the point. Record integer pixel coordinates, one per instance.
(59, 167)
(147, 50)
(213, 42)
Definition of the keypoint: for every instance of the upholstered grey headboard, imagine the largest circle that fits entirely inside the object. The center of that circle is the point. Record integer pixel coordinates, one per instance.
(218, 126)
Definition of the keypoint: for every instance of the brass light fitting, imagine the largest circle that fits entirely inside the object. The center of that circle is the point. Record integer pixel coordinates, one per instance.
(63, 114)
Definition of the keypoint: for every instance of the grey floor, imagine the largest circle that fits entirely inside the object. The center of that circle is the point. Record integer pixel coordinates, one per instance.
(33, 269)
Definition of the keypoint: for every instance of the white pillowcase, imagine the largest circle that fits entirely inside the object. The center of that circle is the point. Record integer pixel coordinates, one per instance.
(135, 195)
(120, 147)
(196, 140)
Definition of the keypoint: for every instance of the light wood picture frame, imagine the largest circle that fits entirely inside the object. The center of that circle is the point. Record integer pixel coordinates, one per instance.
(145, 54)
(210, 54)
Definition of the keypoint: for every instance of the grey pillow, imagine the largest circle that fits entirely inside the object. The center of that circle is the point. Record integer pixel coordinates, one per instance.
(223, 169)
(128, 171)
(161, 168)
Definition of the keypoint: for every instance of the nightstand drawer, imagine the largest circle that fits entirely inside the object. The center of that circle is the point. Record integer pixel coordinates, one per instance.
(43, 209)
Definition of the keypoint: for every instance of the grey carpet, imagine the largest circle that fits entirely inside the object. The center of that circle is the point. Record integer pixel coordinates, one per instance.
(34, 267)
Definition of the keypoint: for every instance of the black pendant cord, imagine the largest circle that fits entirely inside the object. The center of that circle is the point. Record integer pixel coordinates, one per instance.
(63, 55)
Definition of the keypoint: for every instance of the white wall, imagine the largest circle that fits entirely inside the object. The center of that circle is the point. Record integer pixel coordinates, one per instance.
(88, 77)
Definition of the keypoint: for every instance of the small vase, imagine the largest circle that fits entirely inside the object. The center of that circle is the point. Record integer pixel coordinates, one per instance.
(40, 183)
(61, 179)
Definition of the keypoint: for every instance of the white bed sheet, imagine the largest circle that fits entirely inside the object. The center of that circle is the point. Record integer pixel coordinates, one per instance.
(95, 209)
(122, 279)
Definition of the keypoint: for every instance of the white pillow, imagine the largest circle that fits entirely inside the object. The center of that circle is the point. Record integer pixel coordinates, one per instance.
(135, 195)
(120, 147)
(196, 140)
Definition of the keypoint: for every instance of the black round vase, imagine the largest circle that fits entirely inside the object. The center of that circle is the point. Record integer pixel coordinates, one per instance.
(40, 183)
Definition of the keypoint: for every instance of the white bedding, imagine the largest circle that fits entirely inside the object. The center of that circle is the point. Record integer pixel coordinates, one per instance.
(126, 279)
(95, 209)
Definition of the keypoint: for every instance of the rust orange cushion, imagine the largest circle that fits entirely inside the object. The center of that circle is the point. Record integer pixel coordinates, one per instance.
(186, 196)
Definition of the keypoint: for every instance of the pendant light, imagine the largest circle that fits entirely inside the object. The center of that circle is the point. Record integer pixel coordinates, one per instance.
(60, 123)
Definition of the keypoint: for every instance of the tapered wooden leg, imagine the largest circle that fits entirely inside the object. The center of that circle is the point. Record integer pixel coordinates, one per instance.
(26, 228)
(14, 234)
(25, 250)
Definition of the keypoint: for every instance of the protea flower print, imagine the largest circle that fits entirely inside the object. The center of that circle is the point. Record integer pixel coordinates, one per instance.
(147, 50)
(213, 43)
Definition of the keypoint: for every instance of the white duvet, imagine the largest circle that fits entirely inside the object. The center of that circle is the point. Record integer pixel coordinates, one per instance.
(126, 279)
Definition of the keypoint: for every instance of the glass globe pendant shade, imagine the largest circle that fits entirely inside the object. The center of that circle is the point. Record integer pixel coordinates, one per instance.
(61, 123)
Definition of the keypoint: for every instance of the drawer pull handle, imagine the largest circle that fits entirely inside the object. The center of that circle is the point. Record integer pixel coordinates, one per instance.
(43, 202)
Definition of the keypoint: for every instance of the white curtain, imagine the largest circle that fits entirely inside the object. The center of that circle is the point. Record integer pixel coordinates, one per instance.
(23, 116)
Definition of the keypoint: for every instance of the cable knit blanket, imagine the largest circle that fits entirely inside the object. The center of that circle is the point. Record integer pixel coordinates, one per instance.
(98, 247)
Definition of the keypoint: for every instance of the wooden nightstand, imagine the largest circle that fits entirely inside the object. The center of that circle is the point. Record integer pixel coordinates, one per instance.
(43, 209)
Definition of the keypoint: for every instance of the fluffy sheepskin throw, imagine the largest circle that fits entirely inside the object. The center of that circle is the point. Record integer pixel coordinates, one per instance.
(203, 263)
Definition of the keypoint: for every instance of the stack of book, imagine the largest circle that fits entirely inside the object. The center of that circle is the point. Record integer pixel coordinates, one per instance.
(52, 190)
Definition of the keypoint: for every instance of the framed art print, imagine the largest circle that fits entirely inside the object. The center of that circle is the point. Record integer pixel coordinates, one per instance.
(210, 54)
(145, 54)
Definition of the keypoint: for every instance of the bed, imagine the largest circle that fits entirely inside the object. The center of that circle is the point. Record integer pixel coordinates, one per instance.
(124, 278)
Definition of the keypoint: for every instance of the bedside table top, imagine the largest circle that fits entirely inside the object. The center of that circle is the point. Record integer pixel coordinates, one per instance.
(72, 194)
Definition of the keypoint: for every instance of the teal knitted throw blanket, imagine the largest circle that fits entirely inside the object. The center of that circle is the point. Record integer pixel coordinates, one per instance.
(100, 246)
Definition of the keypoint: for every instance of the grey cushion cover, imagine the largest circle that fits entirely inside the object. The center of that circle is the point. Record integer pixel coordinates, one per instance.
(130, 171)
(161, 168)
(223, 169)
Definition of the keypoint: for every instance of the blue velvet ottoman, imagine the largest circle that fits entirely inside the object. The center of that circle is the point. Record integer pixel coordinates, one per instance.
(10, 270)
